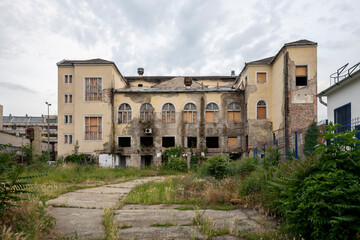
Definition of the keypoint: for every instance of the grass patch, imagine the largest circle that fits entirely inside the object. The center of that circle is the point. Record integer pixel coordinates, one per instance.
(125, 226)
(111, 228)
(269, 235)
(213, 207)
(167, 224)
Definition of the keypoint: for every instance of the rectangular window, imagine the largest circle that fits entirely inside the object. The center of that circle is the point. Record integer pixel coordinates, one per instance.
(301, 75)
(68, 98)
(123, 161)
(261, 77)
(124, 141)
(191, 142)
(68, 79)
(68, 139)
(146, 141)
(212, 142)
(68, 119)
(146, 161)
(234, 116)
(211, 116)
(342, 115)
(93, 89)
(189, 116)
(93, 128)
(232, 142)
(168, 142)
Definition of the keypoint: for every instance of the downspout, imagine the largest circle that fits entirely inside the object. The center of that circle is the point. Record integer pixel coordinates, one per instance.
(286, 76)
(321, 101)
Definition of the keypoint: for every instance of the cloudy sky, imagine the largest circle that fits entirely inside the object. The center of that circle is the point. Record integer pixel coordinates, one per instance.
(166, 37)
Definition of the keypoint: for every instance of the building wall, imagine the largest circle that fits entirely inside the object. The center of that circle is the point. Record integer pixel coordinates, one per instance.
(7, 138)
(1, 117)
(347, 93)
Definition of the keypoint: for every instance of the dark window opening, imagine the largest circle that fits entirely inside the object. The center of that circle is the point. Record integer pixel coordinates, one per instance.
(146, 141)
(301, 81)
(235, 156)
(301, 75)
(168, 142)
(124, 141)
(123, 161)
(246, 142)
(140, 85)
(146, 161)
(212, 142)
(191, 142)
(342, 115)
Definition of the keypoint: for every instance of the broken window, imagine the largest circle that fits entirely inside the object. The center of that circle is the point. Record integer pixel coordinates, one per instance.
(191, 142)
(234, 112)
(93, 89)
(261, 77)
(168, 113)
(301, 75)
(124, 141)
(212, 112)
(168, 142)
(212, 142)
(68, 118)
(261, 109)
(93, 128)
(146, 112)
(124, 113)
(68, 98)
(146, 141)
(232, 142)
(68, 139)
(146, 161)
(68, 78)
(189, 113)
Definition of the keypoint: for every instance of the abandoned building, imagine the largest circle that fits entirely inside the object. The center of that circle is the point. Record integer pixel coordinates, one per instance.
(134, 119)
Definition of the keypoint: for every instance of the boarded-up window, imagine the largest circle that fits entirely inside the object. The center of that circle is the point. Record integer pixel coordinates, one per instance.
(301, 75)
(68, 79)
(68, 98)
(68, 139)
(168, 113)
(232, 142)
(189, 113)
(212, 113)
(261, 110)
(93, 128)
(146, 112)
(93, 89)
(234, 112)
(261, 77)
(124, 113)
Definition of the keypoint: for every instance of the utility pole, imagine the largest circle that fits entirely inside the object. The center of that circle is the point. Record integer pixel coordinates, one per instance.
(48, 123)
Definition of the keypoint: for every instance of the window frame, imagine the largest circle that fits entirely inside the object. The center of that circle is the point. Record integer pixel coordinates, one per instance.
(162, 113)
(194, 120)
(68, 94)
(99, 92)
(84, 128)
(233, 111)
(70, 136)
(67, 116)
(266, 109)
(127, 111)
(266, 77)
(162, 141)
(150, 113)
(212, 110)
(67, 76)
(118, 140)
(307, 74)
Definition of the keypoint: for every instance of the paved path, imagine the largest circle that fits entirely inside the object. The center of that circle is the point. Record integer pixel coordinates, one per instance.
(80, 214)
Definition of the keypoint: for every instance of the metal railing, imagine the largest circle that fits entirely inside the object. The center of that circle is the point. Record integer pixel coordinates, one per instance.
(340, 74)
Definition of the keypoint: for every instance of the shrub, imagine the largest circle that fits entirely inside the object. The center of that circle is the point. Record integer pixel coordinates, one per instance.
(320, 197)
(242, 167)
(79, 159)
(216, 166)
(176, 164)
(311, 139)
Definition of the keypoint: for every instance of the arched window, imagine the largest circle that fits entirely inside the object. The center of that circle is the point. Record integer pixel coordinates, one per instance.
(234, 112)
(124, 113)
(146, 112)
(261, 109)
(212, 112)
(189, 113)
(168, 113)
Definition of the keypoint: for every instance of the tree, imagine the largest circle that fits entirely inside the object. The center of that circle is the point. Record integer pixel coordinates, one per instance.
(311, 139)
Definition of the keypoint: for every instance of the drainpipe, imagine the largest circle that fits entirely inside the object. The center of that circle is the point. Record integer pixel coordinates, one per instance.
(285, 102)
(321, 101)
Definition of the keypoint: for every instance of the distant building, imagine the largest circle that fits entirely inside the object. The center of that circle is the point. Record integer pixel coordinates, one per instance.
(137, 118)
(343, 98)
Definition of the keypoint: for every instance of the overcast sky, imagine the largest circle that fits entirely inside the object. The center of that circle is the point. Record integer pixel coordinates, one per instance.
(166, 37)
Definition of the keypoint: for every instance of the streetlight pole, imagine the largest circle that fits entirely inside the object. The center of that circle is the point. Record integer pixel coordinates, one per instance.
(48, 123)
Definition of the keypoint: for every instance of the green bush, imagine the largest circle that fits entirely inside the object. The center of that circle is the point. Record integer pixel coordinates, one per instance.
(320, 197)
(176, 164)
(79, 159)
(311, 139)
(242, 167)
(215, 166)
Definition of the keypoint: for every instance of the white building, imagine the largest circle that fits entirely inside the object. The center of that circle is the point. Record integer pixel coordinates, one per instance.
(343, 97)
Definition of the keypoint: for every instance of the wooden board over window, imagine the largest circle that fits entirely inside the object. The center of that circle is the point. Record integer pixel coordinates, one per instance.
(261, 112)
(234, 116)
(232, 142)
(211, 116)
(261, 77)
(301, 70)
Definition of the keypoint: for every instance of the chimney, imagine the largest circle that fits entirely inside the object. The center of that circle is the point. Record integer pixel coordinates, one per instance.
(140, 71)
(232, 72)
